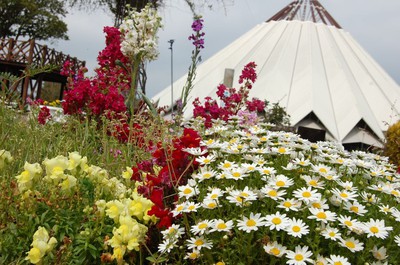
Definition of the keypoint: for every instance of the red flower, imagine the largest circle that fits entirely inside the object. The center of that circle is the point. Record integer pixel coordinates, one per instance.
(44, 115)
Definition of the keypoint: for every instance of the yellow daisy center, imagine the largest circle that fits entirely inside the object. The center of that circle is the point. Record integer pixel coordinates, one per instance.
(214, 196)
(251, 223)
(227, 165)
(332, 234)
(275, 251)
(199, 242)
(191, 207)
(344, 195)
(212, 205)
(282, 150)
(266, 172)
(296, 228)
(306, 194)
(354, 209)
(316, 205)
(276, 220)
(236, 174)
(244, 194)
(313, 182)
(321, 215)
(193, 255)
(207, 175)
(323, 170)
(287, 204)
(348, 223)
(280, 183)
(187, 191)
(299, 257)
(350, 244)
(180, 208)
(206, 161)
(221, 226)
(202, 226)
(272, 193)
(374, 229)
(338, 263)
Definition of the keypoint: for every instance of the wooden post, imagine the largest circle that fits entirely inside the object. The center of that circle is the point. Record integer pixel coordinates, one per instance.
(228, 77)
(9, 56)
(27, 78)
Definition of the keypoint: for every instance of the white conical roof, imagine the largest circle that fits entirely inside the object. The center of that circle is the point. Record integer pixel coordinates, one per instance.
(311, 69)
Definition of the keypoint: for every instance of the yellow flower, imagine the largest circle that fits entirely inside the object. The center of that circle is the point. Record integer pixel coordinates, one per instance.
(25, 179)
(41, 245)
(55, 167)
(128, 173)
(68, 183)
(114, 209)
(139, 206)
(5, 157)
(76, 160)
(34, 255)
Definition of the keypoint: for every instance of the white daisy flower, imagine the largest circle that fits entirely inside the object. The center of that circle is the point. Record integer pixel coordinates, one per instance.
(331, 233)
(195, 254)
(352, 244)
(187, 191)
(280, 181)
(191, 207)
(355, 207)
(196, 151)
(276, 221)
(206, 160)
(369, 197)
(205, 173)
(321, 260)
(220, 225)
(344, 195)
(167, 245)
(321, 204)
(321, 169)
(210, 204)
(322, 215)
(299, 256)
(179, 208)
(275, 249)
(242, 197)
(297, 228)
(249, 167)
(201, 227)
(273, 193)
(290, 166)
(214, 194)
(397, 240)
(337, 260)
(198, 243)
(226, 165)
(174, 231)
(267, 171)
(385, 209)
(290, 205)
(302, 162)
(379, 254)
(236, 173)
(314, 181)
(250, 224)
(376, 228)
(350, 223)
(307, 195)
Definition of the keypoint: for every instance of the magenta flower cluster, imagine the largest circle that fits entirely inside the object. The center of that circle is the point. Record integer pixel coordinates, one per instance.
(197, 37)
(233, 101)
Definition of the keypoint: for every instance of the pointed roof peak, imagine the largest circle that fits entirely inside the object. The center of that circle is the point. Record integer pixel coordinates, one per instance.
(305, 10)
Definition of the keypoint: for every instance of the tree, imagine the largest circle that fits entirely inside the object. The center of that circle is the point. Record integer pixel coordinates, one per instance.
(35, 19)
(118, 7)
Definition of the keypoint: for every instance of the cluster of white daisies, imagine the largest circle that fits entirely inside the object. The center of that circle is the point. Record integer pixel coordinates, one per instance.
(297, 201)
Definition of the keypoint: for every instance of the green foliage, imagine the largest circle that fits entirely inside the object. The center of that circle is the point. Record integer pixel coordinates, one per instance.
(392, 146)
(34, 19)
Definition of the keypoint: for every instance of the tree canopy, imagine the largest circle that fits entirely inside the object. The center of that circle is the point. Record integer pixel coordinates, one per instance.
(39, 19)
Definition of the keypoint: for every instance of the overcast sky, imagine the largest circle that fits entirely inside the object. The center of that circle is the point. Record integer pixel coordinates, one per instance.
(375, 24)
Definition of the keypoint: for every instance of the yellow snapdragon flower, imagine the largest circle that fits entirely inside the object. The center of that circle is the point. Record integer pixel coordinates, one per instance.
(26, 178)
(55, 168)
(42, 244)
(127, 174)
(5, 157)
(76, 160)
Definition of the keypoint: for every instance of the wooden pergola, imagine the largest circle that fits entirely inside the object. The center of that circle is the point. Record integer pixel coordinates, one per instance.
(17, 56)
